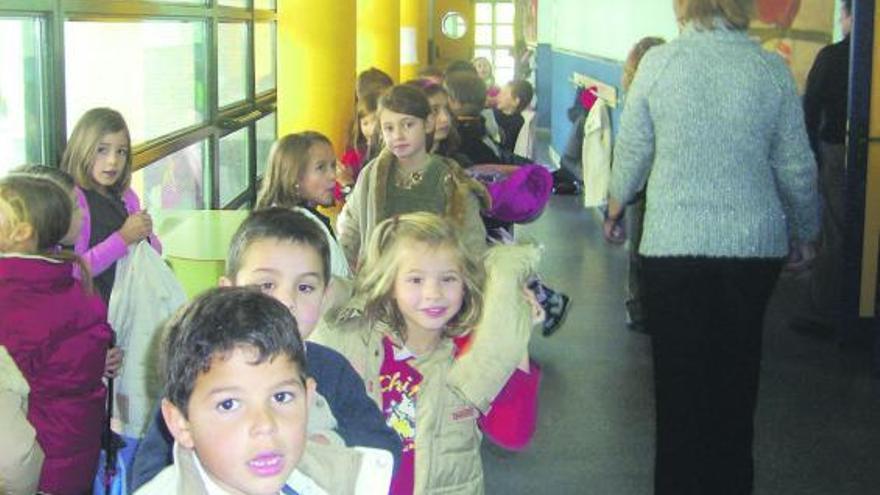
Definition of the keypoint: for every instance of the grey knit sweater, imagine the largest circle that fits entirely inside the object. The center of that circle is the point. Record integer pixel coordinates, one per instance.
(714, 124)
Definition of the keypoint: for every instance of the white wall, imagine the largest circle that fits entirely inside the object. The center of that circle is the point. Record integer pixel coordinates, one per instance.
(604, 28)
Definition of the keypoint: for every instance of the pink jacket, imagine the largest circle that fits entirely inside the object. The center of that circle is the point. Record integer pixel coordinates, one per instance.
(58, 335)
(105, 253)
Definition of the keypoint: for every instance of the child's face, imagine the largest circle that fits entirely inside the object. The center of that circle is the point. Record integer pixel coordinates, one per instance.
(76, 222)
(405, 135)
(429, 287)
(292, 273)
(507, 103)
(318, 179)
(111, 154)
(442, 120)
(246, 422)
(368, 125)
(484, 69)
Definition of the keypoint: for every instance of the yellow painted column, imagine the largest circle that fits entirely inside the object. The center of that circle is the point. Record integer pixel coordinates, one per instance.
(413, 37)
(316, 67)
(378, 36)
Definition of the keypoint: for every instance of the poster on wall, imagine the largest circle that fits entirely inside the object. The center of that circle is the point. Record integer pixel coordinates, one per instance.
(795, 30)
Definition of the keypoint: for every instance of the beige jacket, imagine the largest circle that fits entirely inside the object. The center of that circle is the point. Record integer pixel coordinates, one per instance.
(454, 391)
(21, 457)
(364, 206)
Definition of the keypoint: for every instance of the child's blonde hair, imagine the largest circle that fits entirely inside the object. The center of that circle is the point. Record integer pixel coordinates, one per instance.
(288, 159)
(377, 277)
(39, 202)
(79, 156)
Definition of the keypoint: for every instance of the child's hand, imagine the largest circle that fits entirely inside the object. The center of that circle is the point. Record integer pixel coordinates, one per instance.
(113, 362)
(614, 231)
(137, 227)
(319, 438)
(800, 256)
(537, 312)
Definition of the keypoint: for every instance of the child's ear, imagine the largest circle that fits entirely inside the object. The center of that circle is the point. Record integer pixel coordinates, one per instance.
(311, 391)
(225, 282)
(21, 232)
(177, 424)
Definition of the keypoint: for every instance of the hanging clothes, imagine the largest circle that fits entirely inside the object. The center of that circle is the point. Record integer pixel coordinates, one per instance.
(596, 155)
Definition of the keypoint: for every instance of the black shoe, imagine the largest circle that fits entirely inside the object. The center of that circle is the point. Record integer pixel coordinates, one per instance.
(556, 314)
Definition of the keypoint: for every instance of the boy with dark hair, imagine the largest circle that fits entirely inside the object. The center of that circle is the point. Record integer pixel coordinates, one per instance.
(285, 255)
(467, 98)
(236, 399)
(514, 97)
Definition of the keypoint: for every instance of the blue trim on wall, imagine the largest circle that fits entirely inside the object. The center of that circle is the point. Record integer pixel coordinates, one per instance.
(562, 91)
(544, 83)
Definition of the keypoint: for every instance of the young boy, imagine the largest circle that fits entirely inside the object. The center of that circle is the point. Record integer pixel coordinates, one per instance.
(285, 255)
(236, 399)
(514, 97)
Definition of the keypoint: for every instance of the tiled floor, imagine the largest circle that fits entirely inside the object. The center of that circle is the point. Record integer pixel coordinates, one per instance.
(818, 420)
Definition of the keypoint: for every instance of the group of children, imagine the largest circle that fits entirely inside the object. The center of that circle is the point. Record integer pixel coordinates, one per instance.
(417, 330)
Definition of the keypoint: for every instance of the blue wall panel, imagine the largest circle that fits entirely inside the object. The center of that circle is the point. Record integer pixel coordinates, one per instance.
(562, 91)
(544, 83)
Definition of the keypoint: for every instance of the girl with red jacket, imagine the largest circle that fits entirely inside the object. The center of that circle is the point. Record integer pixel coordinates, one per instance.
(56, 332)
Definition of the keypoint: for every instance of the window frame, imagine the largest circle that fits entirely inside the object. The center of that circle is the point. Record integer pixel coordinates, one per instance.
(218, 121)
(494, 46)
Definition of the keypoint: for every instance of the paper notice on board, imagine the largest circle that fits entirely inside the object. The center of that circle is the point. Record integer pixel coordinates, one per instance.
(409, 53)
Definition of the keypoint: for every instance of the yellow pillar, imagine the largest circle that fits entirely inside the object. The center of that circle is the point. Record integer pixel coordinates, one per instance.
(316, 66)
(413, 29)
(378, 36)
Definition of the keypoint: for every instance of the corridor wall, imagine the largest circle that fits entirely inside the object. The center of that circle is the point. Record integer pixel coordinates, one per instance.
(592, 37)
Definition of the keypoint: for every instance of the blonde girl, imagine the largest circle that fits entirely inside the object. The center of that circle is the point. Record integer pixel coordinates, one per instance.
(301, 175)
(56, 332)
(440, 337)
(98, 156)
(406, 178)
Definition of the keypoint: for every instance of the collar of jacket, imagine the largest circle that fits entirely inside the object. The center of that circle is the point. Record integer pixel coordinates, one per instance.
(458, 186)
(720, 29)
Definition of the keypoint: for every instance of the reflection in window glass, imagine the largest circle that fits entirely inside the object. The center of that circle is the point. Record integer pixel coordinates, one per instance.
(504, 35)
(151, 71)
(264, 56)
(234, 161)
(264, 4)
(265, 137)
(505, 12)
(483, 34)
(176, 182)
(232, 62)
(21, 99)
(483, 13)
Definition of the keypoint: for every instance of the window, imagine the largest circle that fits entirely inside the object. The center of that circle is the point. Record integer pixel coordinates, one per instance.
(233, 176)
(194, 79)
(232, 67)
(21, 97)
(176, 182)
(151, 71)
(495, 37)
(266, 135)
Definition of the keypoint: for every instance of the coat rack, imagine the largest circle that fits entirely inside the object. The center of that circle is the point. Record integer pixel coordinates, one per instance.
(606, 92)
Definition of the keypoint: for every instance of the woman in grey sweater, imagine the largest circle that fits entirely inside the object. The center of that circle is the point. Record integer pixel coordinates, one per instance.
(714, 125)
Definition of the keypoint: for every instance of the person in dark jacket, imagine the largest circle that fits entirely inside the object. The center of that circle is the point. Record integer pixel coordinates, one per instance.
(825, 114)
